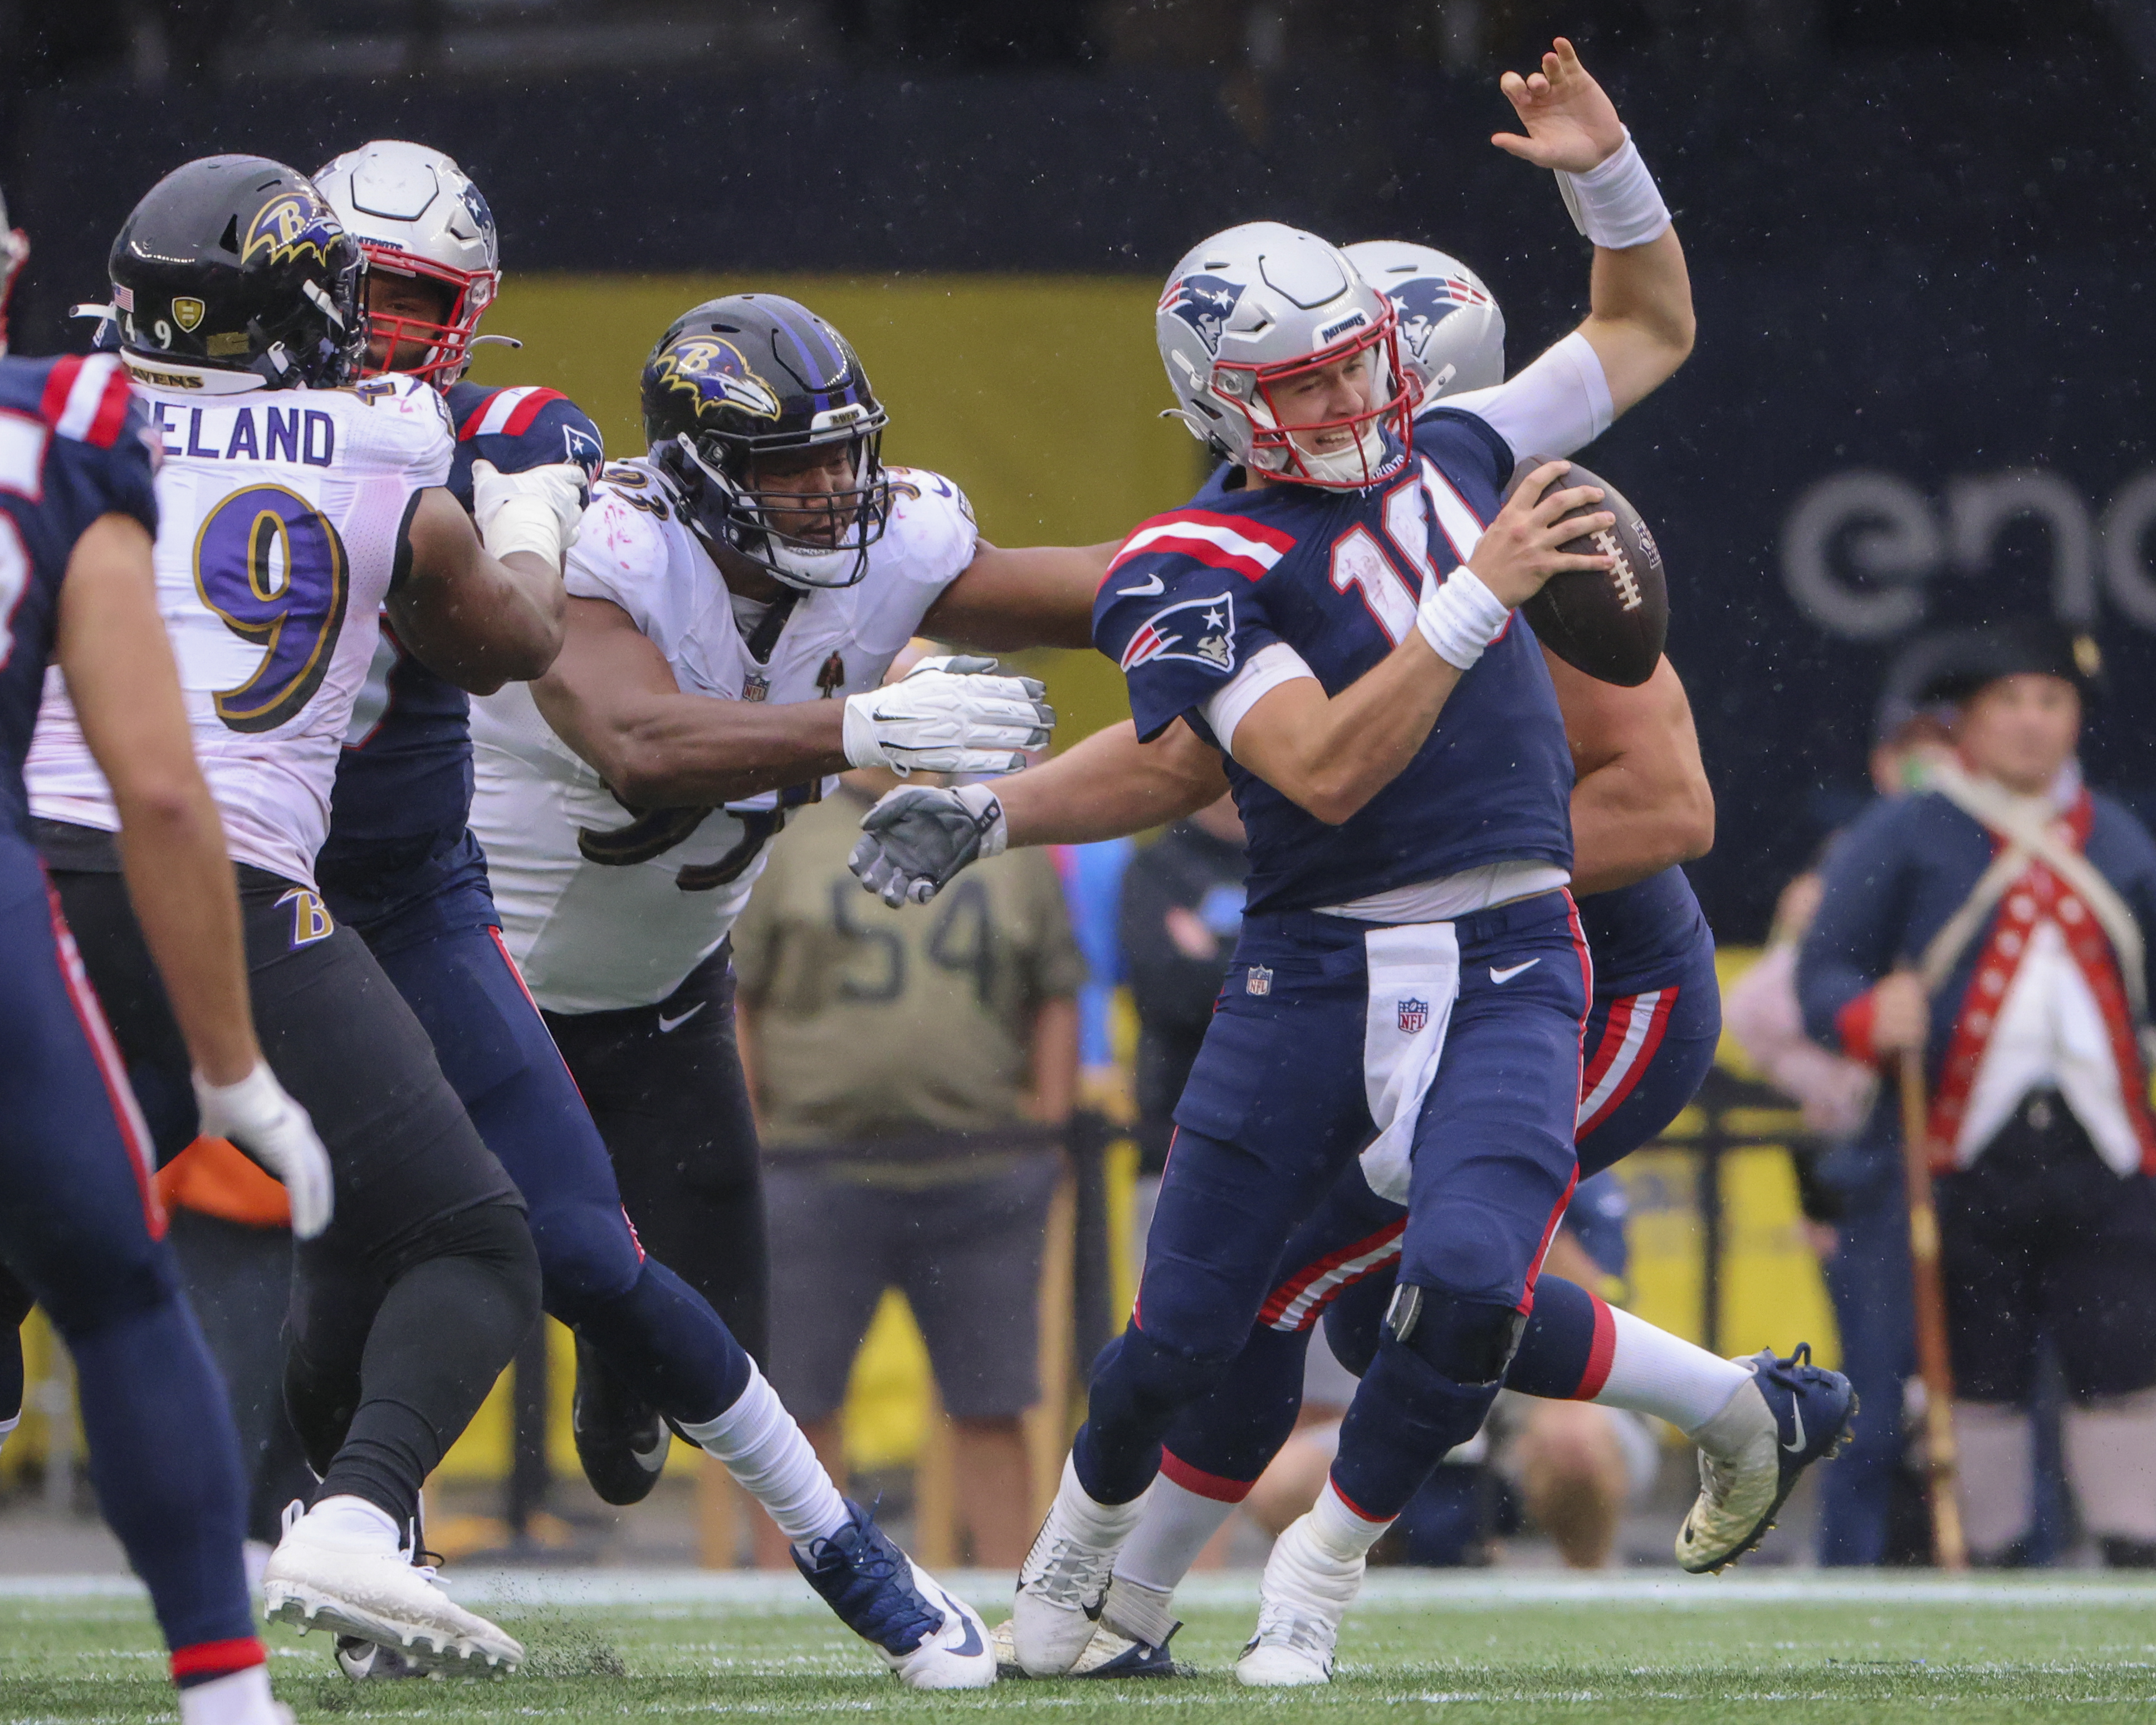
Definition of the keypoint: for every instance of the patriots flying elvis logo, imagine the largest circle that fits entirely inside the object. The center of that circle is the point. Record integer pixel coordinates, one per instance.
(1201, 631)
(707, 367)
(583, 450)
(1205, 303)
(1426, 302)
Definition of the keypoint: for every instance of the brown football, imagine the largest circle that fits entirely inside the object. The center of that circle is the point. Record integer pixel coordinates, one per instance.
(1609, 623)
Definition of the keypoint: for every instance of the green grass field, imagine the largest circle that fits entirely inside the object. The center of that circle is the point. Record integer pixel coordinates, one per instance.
(1514, 1648)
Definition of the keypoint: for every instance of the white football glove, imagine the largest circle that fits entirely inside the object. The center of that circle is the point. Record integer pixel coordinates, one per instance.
(258, 1116)
(534, 510)
(914, 839)
(948, 715)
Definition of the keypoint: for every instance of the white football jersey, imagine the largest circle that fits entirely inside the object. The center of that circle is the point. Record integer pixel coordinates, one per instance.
(279, 517)
(594, 935)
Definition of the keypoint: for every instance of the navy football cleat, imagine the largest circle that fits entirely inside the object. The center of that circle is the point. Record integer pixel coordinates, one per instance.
(1109, 1654)
(621, 1440)
(931, 1639)
(1751, 1454)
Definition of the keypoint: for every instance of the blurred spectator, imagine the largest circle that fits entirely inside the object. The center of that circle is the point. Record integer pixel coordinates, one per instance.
(1093, 887)
(913, 1071)
(1183, 908)
(1994, 925)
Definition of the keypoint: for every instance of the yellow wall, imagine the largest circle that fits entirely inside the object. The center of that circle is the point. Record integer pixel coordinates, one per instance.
(1039, 396)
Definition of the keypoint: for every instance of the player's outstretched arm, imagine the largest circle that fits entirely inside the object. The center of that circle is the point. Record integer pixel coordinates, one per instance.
(475, 618)
(1640, 801)
(1330, 754)
(1036, 596)
(916, 839)
(1640, 318)
(612, 697)
(112, 648)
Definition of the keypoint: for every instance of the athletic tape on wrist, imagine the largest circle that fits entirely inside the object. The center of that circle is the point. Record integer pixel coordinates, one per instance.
(1615, 203)
(1460, 618)
(525, 523)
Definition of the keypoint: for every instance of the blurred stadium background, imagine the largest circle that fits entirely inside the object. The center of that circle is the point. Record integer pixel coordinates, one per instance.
(1918, 395)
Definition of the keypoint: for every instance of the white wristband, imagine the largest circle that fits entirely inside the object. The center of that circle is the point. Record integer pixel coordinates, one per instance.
(1615, 203)
(524, 524)
(1459, 617)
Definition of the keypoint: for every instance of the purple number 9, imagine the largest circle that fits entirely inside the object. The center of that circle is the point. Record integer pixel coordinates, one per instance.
(271, 566)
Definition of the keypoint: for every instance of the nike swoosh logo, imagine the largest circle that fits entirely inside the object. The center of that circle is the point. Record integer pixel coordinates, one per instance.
(1797, 1419)
(666, 1023)
(971, 1646)
(1502, 977)
(1144, 590)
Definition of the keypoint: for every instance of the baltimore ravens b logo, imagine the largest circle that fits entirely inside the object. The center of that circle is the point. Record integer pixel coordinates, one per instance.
(292, 226)
(1205, 303)
(712, 370)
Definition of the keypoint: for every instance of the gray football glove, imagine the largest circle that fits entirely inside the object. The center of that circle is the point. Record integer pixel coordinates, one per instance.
(948, 715)
(914, 839)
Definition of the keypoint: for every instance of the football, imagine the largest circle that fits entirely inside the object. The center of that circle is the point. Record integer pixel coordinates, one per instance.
(1609, 623)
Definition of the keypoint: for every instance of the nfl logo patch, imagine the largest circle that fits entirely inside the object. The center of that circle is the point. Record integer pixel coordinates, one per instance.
(1259, 981)
(1414, 1017)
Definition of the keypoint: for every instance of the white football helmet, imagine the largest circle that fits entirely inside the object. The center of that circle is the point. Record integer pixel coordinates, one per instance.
(1452, 335)
(415, 213)
(15, 248)
(1251, 308)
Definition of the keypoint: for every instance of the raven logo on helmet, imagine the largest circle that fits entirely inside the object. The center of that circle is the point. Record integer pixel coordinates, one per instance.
(1205, 303)
(702, 366)
(294, 226)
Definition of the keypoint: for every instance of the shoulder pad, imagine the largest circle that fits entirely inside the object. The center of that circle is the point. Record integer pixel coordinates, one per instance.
(86, 399)
(1217, 540)
(503, 413)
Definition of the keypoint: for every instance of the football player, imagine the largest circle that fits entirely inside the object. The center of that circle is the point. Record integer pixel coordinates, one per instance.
(79, 1222)
(1566, 386)
(292, 508)
(401, 867)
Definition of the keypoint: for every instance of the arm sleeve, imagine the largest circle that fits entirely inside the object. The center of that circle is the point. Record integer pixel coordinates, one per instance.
(1265, 671)
(1554, 406)
(1854, 938)
(1179, 630)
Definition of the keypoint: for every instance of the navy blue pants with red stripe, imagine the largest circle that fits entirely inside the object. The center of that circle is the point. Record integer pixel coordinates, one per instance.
(1275, 1111)
(1648, 1052)
(81, 1228)
(660, 1338)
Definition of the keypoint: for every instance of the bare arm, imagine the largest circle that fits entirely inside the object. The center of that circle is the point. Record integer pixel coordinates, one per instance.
(1110, 785)
(1054, 1061)
(478, 620)
(112, 648)
(1039, 596)
(1330, 754)
(1640, 801)
(1640, 319)
(611, 698)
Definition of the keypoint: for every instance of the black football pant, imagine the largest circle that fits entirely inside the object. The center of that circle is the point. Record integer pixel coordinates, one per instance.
(666, 1085)
(406, 1309)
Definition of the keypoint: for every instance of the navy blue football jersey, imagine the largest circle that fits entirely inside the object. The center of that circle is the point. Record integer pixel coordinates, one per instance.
(1644, 935)
(1193, 594)
(404, 784)
(74, 445)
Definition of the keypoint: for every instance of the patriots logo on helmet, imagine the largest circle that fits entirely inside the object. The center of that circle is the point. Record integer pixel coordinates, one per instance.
(1205, 303)
(1414, 1016)
(583, 450)
(1201, 631)
(709, 368)
(289, 227)
(477, 205)
(1426, 302)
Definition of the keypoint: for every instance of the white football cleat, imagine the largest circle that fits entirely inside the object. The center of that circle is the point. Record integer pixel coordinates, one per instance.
(1789, 1415)
(324, 1575)
(1307, 1592)
(1065, 1576)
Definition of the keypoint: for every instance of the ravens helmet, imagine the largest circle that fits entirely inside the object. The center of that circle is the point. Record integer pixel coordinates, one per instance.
(14, 248)
(236, 263)
(750, 383)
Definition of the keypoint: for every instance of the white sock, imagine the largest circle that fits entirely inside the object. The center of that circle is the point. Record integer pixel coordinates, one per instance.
(1994, 1479)
(1653, 1372)
(240, 1697)
(1343, 1533)
(1177, 1525)
(7, 1425)
(2111, 1458)
(354, 1522)
(765, 1450)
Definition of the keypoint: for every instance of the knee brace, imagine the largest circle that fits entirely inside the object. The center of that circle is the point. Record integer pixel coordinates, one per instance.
(1469, 1342)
